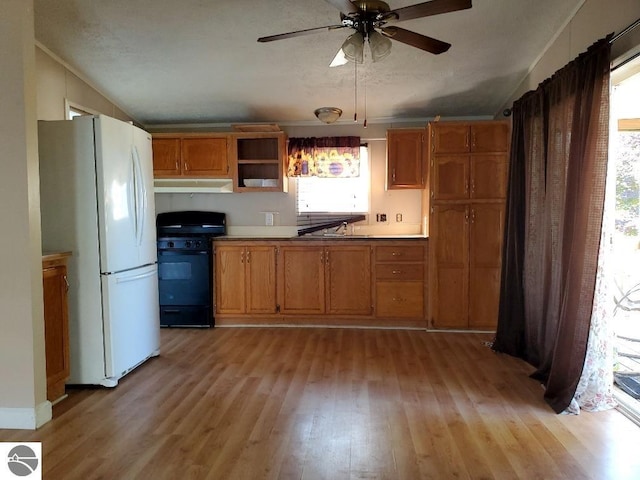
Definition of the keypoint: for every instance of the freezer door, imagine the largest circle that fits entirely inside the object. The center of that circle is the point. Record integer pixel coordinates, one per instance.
(131, 320)
(145, 202)
(116, 195)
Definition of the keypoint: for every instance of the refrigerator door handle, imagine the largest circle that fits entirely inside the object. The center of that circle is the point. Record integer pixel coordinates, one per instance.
(140, 197)
(133, 278)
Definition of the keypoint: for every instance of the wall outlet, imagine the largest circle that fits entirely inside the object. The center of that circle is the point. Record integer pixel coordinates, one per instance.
(381, 217)
(398, 217)
(268, 219)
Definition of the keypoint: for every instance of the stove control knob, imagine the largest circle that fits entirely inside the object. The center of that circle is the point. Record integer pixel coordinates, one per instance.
(187, 244)
(198, 243)
(171, 244)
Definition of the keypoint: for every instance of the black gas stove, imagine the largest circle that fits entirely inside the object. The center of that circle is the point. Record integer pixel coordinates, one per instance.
(185, 271)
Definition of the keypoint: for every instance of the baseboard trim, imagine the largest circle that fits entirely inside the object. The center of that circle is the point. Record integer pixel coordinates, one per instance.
(26, 418)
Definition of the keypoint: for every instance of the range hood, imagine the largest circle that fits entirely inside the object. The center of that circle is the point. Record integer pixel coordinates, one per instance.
(193, 185)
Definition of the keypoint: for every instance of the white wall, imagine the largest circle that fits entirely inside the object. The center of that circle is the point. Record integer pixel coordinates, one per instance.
(594, 20)
(57, 83)
(23, 402)
(244, 209)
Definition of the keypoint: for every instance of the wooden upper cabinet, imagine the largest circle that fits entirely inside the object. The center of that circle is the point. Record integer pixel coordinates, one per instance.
(190, 156)
(469, 160)
(405, 158)
(166, 156)
(450, 177)
(260, 161)
(458, 137)
(205, 157)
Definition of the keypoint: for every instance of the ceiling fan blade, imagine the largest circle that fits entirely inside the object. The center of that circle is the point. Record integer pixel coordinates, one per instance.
(345, 6)
(298, 33)
(426, 9)
(416, 40)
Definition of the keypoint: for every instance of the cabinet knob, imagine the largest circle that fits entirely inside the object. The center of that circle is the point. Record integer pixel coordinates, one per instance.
(396, 272)
(66, 283)
(396, 254)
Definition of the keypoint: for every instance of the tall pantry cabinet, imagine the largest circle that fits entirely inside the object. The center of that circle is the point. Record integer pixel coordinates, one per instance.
(469, 166)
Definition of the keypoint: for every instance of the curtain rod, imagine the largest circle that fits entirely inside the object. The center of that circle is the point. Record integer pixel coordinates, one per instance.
(625, 31)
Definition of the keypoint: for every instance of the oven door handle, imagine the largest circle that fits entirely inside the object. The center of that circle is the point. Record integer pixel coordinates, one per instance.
(181, 253)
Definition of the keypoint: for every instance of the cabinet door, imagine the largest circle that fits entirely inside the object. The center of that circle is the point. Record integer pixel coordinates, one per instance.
(488, 176)
(405, 159)
(166, 157)
(489, 137)
(485, 256)
(450, 265)
(205, 157)
(450, 177)
(348, 280)
(301, 277)
(56, 330)
(230, 279)
(261, 279)
(450, 138)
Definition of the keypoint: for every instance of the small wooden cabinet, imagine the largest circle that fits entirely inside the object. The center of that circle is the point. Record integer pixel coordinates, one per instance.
(400, 281)
(245, 279)
(469, 167)
(56, 323)
(193, 155)
(259, 160)
(406, 158)
(333, 279)
(469, 137)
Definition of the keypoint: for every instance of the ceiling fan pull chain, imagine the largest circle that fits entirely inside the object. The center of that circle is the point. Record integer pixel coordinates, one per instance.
(355, 89)
(364, 125)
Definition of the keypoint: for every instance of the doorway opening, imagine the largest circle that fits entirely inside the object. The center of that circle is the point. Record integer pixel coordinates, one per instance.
(625, 238)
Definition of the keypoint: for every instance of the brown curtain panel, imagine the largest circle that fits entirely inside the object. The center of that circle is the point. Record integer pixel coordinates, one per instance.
(554, 217)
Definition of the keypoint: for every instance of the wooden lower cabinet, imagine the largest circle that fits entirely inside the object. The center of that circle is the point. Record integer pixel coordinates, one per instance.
(56, 324)
(325, 279)
(400, 282)
(466, 262)
(245, 279)
(301, 279)
(348, 280)
(337, 282)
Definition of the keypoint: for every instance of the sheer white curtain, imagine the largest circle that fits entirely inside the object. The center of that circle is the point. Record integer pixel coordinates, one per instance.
(595, 388)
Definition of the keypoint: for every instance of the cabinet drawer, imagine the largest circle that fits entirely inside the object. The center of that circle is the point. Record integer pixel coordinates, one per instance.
(400, 299)
(399, 271)
(400, 253)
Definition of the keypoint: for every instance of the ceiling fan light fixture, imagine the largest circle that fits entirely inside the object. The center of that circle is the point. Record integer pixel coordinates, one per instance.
(380, 46)
(339, 59)
(353, 48)
(328, 114)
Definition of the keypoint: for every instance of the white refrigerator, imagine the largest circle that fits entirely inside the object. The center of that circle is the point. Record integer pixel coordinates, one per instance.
(96, 189)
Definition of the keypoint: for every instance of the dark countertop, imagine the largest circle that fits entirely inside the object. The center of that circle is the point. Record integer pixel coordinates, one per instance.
(322, 238)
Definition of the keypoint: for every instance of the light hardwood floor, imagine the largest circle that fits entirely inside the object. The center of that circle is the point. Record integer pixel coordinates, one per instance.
(311, 403)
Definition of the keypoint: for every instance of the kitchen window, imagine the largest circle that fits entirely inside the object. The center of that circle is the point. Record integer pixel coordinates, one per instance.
(335, 195)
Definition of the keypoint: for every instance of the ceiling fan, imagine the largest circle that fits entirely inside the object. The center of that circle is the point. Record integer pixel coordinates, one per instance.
(369, 19)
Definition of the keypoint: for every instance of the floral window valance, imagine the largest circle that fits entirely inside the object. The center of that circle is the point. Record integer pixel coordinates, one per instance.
(324, 157)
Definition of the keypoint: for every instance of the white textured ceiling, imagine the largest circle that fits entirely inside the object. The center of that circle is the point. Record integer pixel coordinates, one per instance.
(198, 61)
